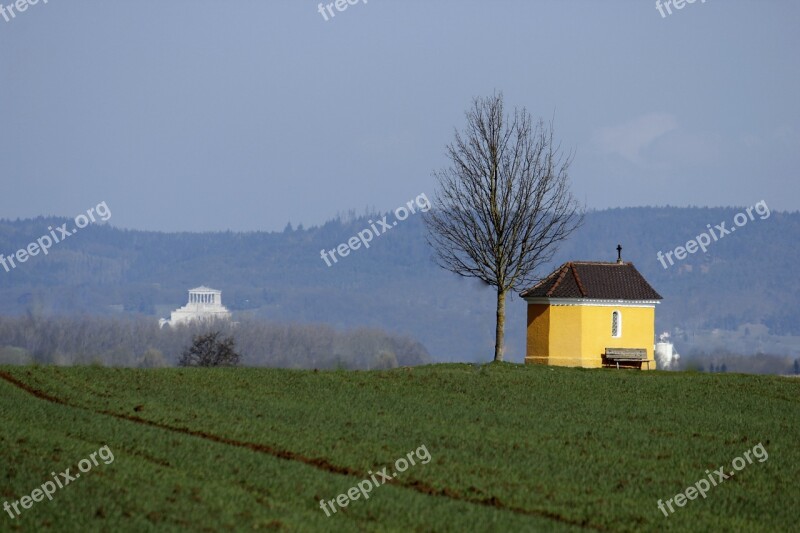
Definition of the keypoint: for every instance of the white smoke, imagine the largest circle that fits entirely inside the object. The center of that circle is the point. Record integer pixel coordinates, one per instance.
(666, 356)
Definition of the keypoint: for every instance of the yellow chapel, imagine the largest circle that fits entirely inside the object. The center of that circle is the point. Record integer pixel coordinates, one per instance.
(592, 315)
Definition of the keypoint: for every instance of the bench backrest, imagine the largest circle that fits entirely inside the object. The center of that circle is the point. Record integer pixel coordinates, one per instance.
(638, 353)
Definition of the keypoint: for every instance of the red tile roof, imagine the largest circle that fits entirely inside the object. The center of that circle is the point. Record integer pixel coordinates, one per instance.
(594, 280)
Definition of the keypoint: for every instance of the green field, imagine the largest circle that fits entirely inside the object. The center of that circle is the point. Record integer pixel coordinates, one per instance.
(512, 448)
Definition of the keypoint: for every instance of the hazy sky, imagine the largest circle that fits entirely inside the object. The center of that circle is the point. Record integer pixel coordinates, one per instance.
(198, 115)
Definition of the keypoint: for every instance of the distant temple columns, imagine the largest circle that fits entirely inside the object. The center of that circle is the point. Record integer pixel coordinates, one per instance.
(204, 304)
(205, 296)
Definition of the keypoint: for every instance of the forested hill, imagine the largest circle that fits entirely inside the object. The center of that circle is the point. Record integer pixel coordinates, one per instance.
(742, 294)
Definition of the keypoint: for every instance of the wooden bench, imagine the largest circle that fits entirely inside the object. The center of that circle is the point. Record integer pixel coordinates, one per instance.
(626, 355)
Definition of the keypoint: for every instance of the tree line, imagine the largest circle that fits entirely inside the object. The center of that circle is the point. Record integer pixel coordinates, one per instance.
(139, 342)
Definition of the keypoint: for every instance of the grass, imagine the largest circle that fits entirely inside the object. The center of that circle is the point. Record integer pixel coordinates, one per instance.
(512, 447)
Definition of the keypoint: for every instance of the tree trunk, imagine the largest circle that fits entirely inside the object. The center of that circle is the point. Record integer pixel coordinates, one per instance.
(501, 325)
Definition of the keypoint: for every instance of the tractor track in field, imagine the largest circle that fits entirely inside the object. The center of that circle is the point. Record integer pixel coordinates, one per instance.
(316, 462)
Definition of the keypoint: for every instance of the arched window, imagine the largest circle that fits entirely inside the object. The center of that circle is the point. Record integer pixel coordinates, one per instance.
(616, 324)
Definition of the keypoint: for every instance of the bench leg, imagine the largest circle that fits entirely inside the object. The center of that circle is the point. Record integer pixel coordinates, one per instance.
(617, 365)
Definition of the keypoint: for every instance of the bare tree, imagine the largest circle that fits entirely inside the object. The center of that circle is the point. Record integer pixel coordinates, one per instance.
(503, 204)
(210, 350)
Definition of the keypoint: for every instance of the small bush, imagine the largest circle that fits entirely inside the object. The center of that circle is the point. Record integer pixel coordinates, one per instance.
(210, 350)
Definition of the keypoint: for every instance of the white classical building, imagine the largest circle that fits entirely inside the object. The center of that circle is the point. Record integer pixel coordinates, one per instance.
(204, 304)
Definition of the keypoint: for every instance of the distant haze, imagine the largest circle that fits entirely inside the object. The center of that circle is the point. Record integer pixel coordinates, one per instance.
(197, 115)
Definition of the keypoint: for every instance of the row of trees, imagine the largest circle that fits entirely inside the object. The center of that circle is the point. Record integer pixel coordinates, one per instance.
(720, 361)
(139, 342)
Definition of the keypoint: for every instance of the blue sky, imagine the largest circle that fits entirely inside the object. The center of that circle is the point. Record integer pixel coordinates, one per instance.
(243, 115)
